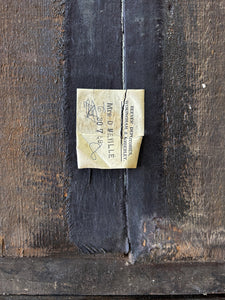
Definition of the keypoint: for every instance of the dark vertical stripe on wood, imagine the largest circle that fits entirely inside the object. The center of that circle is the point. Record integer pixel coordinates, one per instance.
(145, 194)
(95, 204)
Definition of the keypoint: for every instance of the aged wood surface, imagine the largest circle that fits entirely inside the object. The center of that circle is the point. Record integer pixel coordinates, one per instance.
(146, 184)
(194, 152)
(93, 45)
(203, 297)
(32, 214)
(170, 205)
(107, 276)
(176, 198)
(171, 208)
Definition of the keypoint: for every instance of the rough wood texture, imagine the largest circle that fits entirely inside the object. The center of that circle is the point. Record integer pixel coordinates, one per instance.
(146, 184)
(203, 297)
(177, 210)
(107, 276)
(95, 204)
(169, 209)
(173, 205)
(32, 197)
(194, 157)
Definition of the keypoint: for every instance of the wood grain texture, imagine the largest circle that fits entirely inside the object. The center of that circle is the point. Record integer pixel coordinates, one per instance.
(107, 276)
(95, 203)
(57, 297)
(194, 152)
(173, 204)
(145, 185)
(32, 207)
(176, 196)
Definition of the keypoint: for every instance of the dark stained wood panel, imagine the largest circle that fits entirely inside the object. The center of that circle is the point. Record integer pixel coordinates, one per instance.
(93, 60)
(143, 67)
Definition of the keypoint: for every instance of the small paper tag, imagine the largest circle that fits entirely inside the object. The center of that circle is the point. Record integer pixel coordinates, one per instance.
(110, 127)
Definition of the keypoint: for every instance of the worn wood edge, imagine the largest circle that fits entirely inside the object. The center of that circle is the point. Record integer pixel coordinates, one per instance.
(190, 297)
(107, 275)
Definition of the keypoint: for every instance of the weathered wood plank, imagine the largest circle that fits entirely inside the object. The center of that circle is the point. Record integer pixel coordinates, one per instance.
(32, 163)
(176, 196)
(143, 41)
(95, 204)
(107, 276)
(194, 128)
(56, 297)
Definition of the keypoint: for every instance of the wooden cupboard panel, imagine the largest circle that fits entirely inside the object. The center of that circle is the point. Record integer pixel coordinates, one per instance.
(172, 206)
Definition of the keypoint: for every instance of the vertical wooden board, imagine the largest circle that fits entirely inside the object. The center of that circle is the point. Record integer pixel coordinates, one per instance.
(176, 196)
(211, 126)
(194, 128)
(143, 69)
(95, 202)
(32, 206)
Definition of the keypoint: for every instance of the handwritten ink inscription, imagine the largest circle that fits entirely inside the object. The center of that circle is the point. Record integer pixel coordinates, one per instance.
(94, 113)
(94, 148)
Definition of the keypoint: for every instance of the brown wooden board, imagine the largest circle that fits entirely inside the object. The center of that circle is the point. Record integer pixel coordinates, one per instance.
(32, 212)
(172, 207)
(194, 152)
(203, 297)
(106, 275)
(174, 49)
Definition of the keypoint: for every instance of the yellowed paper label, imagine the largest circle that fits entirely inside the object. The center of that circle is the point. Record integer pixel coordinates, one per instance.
(110, 127)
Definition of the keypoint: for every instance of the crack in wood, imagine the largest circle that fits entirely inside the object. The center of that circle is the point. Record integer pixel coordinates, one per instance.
(124, 82)
(121, 126)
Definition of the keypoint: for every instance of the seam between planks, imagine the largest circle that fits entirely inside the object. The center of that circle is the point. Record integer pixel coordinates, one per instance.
(124, 84)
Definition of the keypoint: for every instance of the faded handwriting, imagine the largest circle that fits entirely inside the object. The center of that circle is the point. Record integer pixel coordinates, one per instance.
(92, 110)
(94, 148)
